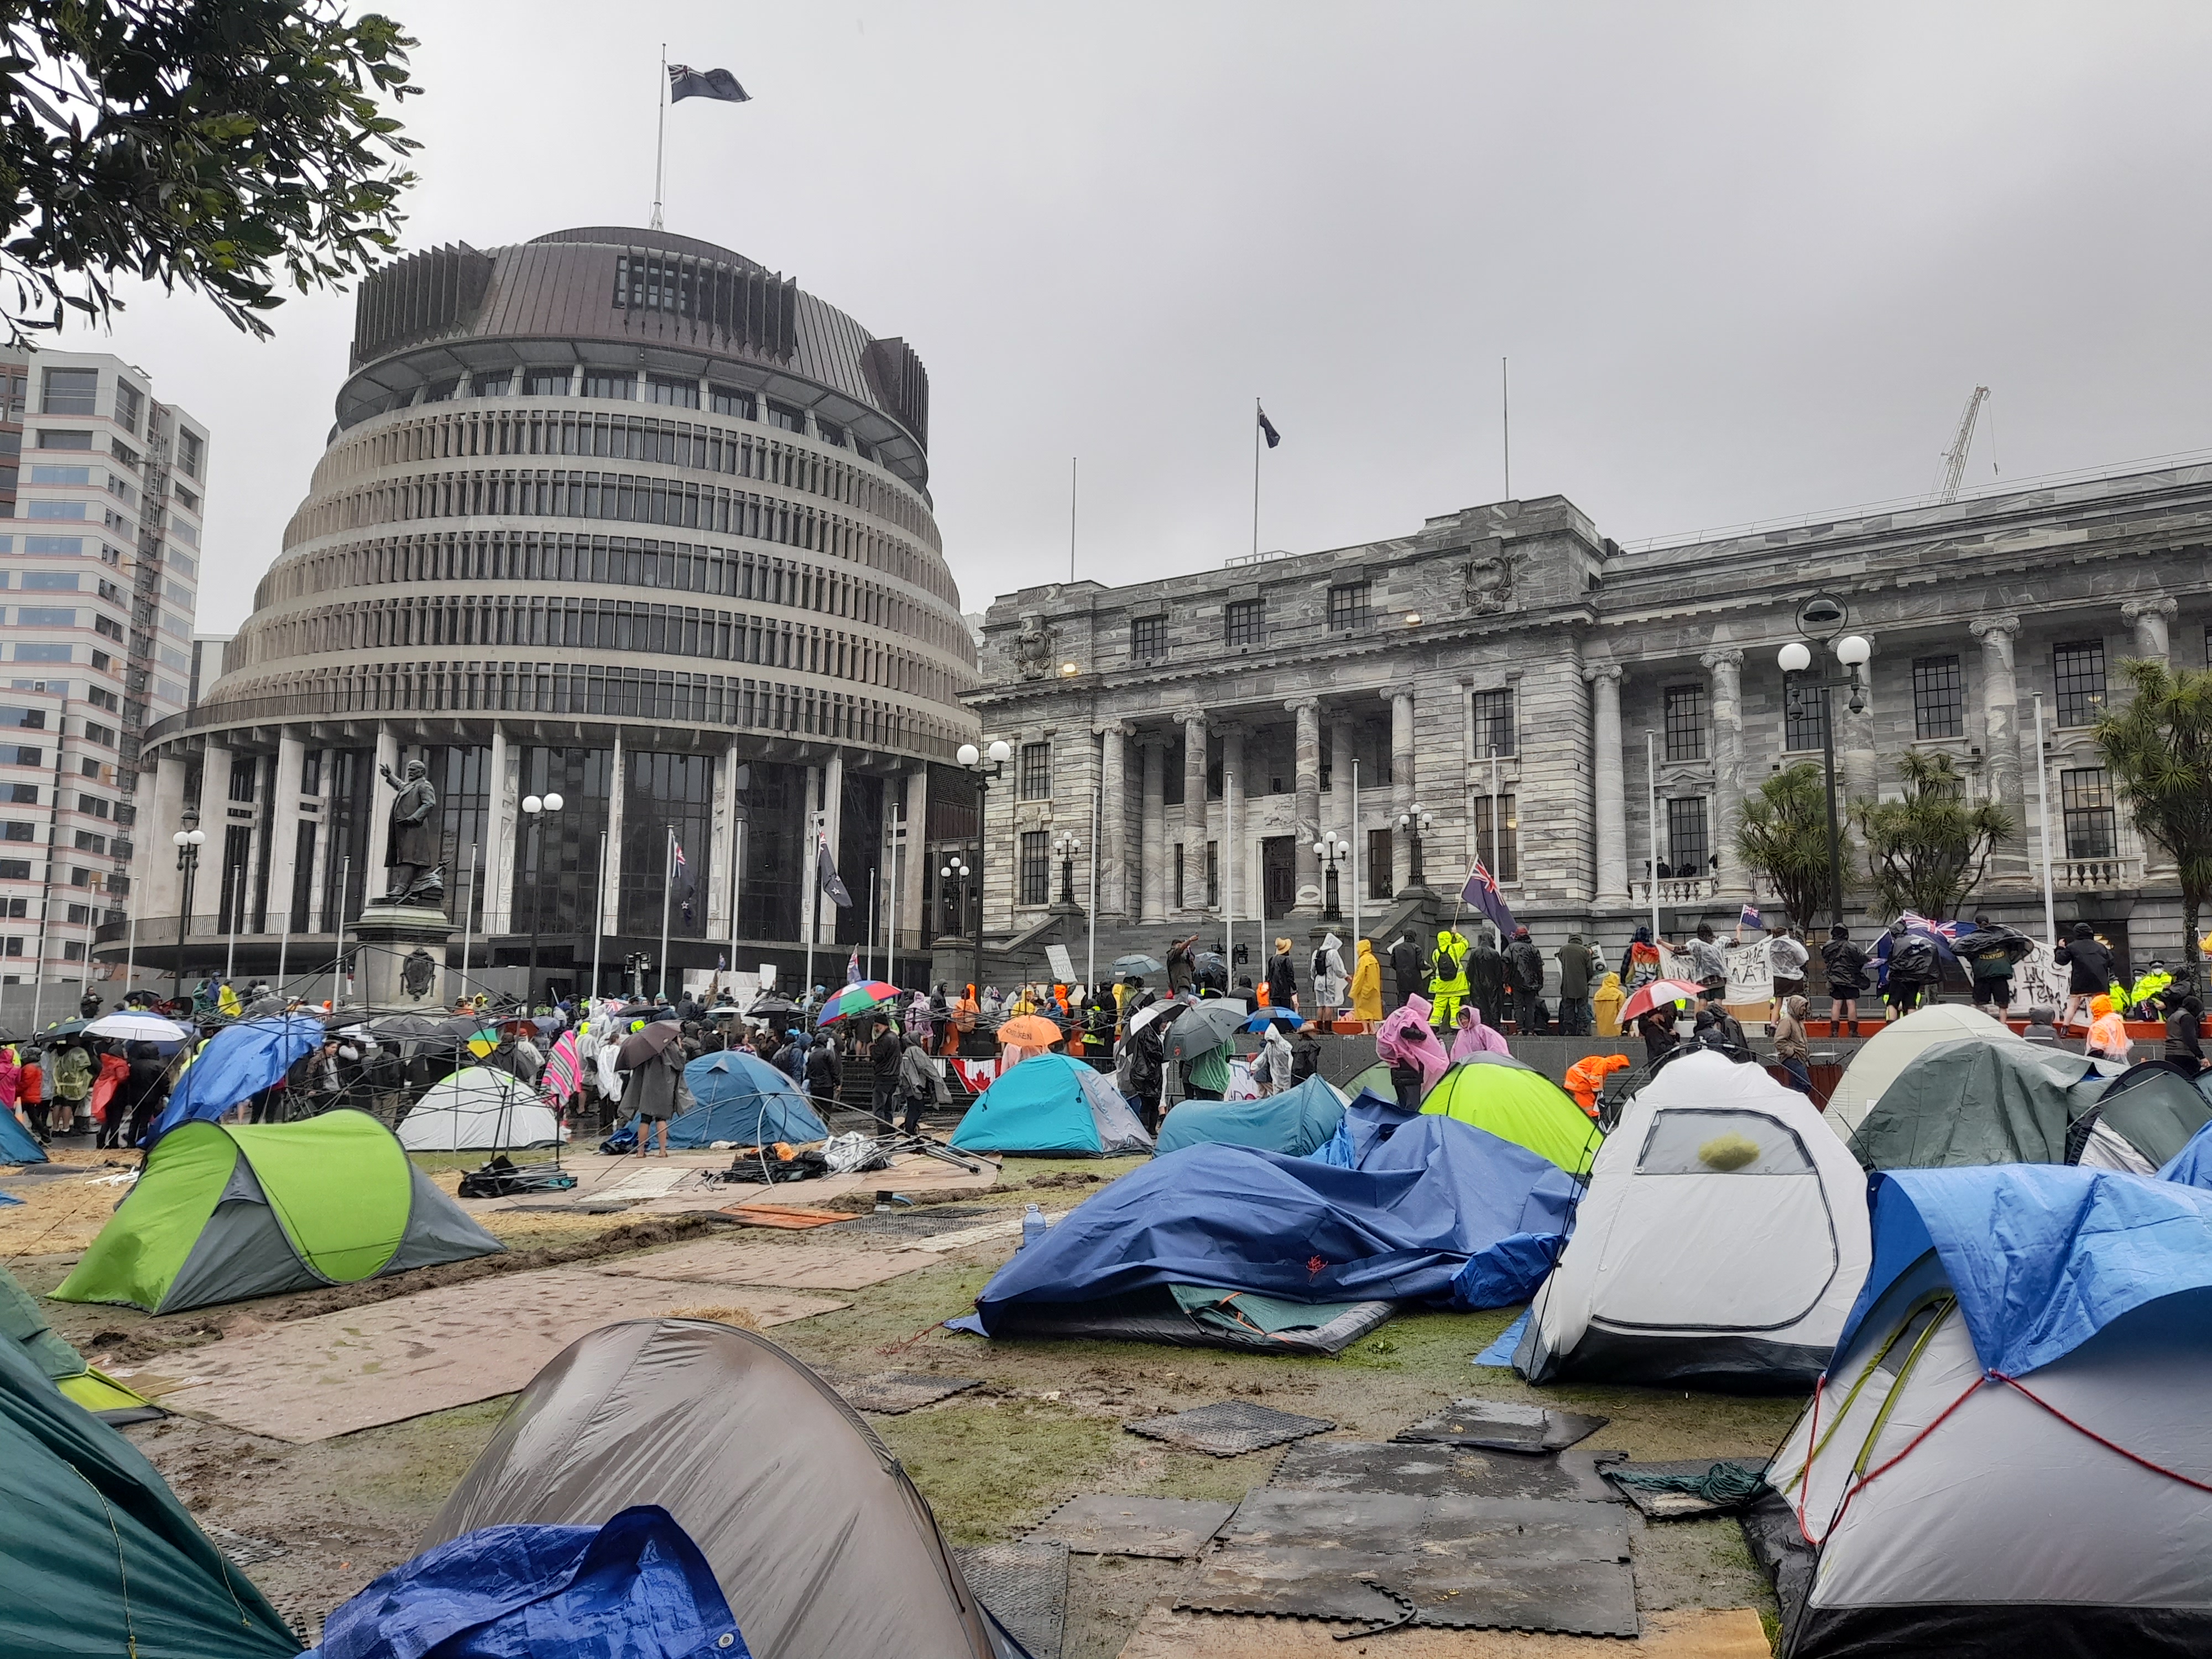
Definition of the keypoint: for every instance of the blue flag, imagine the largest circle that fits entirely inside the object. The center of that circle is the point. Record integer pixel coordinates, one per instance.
(1480, 892)
(684, 81)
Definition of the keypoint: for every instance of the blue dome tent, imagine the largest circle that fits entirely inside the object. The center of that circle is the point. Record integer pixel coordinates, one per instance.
(742, 1100)
(1051, 1106)
(1297, 1121)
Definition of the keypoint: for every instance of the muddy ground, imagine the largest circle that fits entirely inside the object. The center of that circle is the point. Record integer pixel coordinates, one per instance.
(315, 1523)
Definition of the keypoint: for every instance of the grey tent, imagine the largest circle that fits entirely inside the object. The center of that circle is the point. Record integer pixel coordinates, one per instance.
(819, 1541)
(2142, 1119)
(1971, 1102)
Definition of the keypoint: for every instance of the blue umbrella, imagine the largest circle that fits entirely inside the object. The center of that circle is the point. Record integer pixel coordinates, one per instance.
(1263, 1018)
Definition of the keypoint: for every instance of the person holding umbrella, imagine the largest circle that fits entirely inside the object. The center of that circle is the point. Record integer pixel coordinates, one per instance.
(1199, 1041)
(654, 1091)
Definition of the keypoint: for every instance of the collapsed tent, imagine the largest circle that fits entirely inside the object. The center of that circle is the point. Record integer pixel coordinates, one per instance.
(1721, 1241)
(1971, 1101)
(17, 1144)
(2008, 1453)
(2142, 1119)
(1297, 1121)
(1230, 1246)
(1052, 1106)
(741, 1101)
(97, 1554)
(821, 1544)
(1896, 1046)
(1370, 1119)
(223, 1212)
(235, 1064)
(636, 1587)
(478, 1107)
(1517, 1102)
(21, 1323)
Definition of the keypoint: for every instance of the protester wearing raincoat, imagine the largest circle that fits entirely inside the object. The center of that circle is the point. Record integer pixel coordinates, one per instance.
(1329, 979)
(1586, 1078)
(1471, 1036)
(1447, 978)
(1605, 1004)
(1367, 984)
(2108, 1032)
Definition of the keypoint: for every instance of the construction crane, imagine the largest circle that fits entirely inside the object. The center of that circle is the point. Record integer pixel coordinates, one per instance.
(1954, 458)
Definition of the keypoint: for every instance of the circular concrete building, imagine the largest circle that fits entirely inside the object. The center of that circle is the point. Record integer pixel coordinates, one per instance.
(612, 515)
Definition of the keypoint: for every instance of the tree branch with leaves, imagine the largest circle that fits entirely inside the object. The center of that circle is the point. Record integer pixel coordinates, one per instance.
(1782, 835)
(228, 147)
(2158, 750)
(1929, 850)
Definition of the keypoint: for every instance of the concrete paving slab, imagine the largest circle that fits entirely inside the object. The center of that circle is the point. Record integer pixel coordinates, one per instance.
(1691, 1633)
(748, 1261)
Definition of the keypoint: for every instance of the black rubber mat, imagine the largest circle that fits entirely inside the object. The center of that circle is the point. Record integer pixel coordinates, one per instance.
(1438, 1471)
(1025, 1587)
(1462, 1562)
(922, 1221)
(1230, 1429)
(1682, 1505)
(893, 1394)
(1101, 1524)
(1504, 1426)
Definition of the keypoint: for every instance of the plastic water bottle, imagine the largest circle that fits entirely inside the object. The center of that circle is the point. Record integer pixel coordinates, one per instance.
(1033, 1225)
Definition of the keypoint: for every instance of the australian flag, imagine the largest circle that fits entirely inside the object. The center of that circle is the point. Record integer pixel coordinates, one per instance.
(825, 872)
(1480, 893)
(684, 81)
(1268, 428)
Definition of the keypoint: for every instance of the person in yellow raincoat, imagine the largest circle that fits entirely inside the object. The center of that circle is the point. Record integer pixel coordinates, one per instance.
(1605, 1004)
(1367, 984)
(227, 1003)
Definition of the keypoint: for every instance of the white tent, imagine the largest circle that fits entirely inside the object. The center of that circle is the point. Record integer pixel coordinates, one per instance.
(477, 1107)
(1894, 1047)
(1721, 1240)
(2007, 1455)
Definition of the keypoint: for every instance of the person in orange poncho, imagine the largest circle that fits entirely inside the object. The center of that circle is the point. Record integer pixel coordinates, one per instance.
(1586, 1079)
(2108, 1032)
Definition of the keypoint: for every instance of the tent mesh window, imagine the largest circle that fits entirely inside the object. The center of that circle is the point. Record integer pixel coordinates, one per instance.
(1701, 1142)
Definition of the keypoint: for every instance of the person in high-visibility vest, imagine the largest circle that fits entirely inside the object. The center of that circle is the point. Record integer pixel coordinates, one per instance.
(1447, 978)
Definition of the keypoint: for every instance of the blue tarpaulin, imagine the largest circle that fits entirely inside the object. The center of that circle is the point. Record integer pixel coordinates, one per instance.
(742, 1100)
(1369, 1120)
(2192, 1165)
(2041, 1256)
(636, 1588)
(17, 1144)
(238, 1061)
(1435, 1197)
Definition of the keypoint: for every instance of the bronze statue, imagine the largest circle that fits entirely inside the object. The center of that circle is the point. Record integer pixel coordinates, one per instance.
(415, 876)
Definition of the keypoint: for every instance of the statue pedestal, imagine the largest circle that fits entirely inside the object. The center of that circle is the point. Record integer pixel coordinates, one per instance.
(399, 963)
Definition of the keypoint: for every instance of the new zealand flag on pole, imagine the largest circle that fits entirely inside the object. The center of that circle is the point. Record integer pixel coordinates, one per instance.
(825, 872)
(684, 81)
(684, 890)
(1268, 429)
(1480, 892)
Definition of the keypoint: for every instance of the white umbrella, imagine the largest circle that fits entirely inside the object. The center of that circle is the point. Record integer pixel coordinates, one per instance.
(1150, 1011)
(137, 1028)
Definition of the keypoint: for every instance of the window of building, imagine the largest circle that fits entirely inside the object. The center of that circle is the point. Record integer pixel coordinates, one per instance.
(598, 384)
(1685, 707)
(1148, 639)
(13, 831)
(1378, 864)
(1939, 697)
(61, 475)
(546, 382)
(663, 389)
(492, 382)
(729, 400)
(130, 403)
(15, 869)
(1504, 858)
(1493, 723)
(15, 908)
(441, 391)
(102, 735)
(88, 843)
(1349, 606)
(23, 794)
(1687, 846)
(1036, 771)
(190, 450)
(1178, 876)
(70, 392)
(2086, 811)
(785, 420)
(1805, 718)
(1213, 875)
(122, 452)
(834, 435)
(1036, 866)
(1243, 622)
(52, 440)
(2078, 667)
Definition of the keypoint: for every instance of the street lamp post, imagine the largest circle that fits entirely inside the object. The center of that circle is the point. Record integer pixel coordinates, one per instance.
(985, 767)
(189, 840)
(1064, 847)
(1822, 618)
(1412, 825)
(1333, 851)
(534, 808)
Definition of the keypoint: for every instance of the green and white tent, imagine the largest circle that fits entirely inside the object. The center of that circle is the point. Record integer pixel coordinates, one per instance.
(21, 1323)
(225, 1210)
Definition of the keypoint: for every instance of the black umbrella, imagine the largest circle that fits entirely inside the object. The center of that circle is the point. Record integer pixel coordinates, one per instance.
(1139, 965)
(769, 1007)
(1205, 1027)
(641, 1046)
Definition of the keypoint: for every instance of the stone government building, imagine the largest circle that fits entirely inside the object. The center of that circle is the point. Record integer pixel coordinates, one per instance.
(1510, 653)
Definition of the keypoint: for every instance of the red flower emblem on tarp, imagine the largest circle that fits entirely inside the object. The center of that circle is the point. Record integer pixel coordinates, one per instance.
(1313, 1266)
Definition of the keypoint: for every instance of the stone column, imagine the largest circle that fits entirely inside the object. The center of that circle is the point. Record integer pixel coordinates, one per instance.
(1235, 812)
(1113, 821)
(1401, 789)
(214, 822)
(2001, 731)
(1857, 763)
(1725, 666)
(2150, 618)
(1610, 800)
(1193, 809)
(1152, 840)
(1305, 862)
(157, 888)
(1340, 774)
(610, 876)
(379, 814)
(280, 818)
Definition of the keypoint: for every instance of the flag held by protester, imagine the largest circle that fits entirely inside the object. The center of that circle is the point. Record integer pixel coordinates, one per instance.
(1749, 918)
(1480, 892)
(684, 81)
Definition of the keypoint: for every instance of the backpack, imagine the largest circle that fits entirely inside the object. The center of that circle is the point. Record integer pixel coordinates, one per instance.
(1913, 959)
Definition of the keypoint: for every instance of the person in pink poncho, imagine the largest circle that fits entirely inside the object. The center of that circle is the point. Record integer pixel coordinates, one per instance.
(1473, 1037)
(1404, 1044)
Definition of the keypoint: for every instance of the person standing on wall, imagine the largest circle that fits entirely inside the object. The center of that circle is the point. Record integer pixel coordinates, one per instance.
(1485, 980)
(1405, 975)
(1845, 965)
(1524, 976)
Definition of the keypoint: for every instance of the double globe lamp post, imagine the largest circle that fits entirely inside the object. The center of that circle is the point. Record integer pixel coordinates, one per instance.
(987, 766)
(189, 840)
(535, 807)
(1822, 619)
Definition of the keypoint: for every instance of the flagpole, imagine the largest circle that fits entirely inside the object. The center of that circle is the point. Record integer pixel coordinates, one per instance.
(598, 911)
(871, 924)
(1355, 860)
(1494, 841)
(667, 893)
(1090, 961)
(1071, 517)
(1229, 882)
(1505, 417)
(1651, 822)
(660, 134)
(1256, 479)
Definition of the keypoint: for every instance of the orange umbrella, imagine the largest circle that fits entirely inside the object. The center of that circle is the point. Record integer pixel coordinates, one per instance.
(1030, 1031)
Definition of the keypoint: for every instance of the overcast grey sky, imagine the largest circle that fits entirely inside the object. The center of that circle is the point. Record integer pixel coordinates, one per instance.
(1748, 260)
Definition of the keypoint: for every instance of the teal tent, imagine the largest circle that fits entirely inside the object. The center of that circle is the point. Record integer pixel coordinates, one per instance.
(97, 1554)
(17, 1144)
(1051, 1106)
(1297, 1121)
